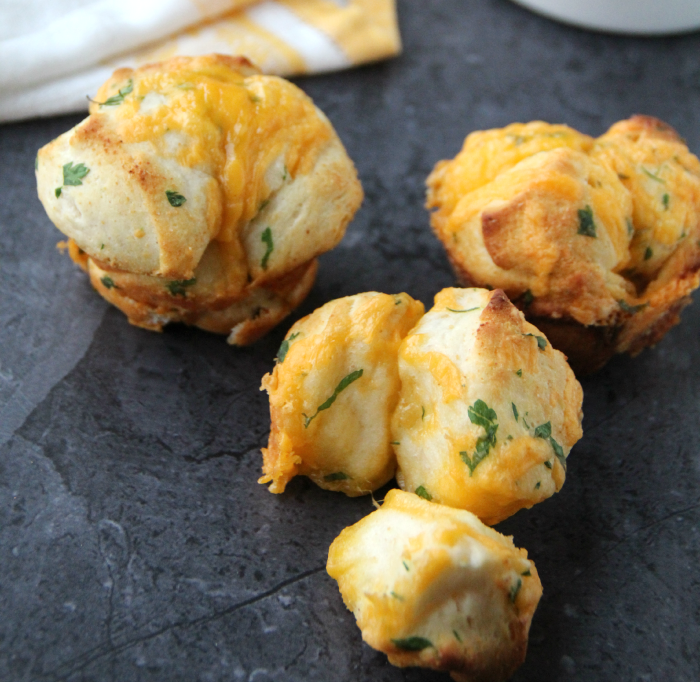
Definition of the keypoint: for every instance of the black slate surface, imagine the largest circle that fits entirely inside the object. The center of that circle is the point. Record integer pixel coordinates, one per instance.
(135, 543)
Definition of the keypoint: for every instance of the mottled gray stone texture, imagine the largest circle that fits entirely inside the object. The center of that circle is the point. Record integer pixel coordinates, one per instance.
(135, 542)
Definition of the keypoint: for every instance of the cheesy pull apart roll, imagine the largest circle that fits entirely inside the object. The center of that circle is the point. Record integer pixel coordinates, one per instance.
(488, 410)
(432, 586)
(596, 240)
(333, 391)
(200, 191)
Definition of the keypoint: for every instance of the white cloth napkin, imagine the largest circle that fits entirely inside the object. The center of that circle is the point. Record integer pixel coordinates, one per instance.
(55, 53)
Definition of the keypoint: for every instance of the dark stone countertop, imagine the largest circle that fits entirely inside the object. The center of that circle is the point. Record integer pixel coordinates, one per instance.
(135, 543)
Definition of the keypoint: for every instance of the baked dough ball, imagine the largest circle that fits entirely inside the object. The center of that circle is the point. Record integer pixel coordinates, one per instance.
(562, 223)
(432, 586)
(200, 192)
(488, 410)
(333, 391)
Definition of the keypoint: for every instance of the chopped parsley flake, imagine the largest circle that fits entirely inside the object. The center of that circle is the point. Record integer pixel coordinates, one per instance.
(405, 565)
(73, 175)
(665, 200)
(537, 485)
(648, 253)
(528, 298)
(422, 492)
(541, 341)
(58, 191)
(108, 282)
(548, 464)
(519, 372)
(544, 431)
(395, 442)
(412, 643)
(513, 594)
(515, 411)
(457, 637)
(463, 311)
(396, 596)
(481, 415)
(267, 239)
(631, 309)
(176, 200)
(344, 383)
(653, 176)
(586, 224)
(284, 347)
(286, 173)
(527, 573)
(337, 476)
(117, 99)
(178, 287)
(422, 417)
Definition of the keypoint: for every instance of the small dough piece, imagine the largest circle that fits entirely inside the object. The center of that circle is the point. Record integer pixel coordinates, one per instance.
(203, 187)
(432, 586)
(596, 240)
(488, 410)
(333, 391)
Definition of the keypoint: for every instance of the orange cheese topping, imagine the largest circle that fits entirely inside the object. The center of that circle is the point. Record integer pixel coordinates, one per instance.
(206, 114)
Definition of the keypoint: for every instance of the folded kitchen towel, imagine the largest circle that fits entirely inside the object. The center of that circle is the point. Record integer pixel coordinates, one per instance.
(55, 53)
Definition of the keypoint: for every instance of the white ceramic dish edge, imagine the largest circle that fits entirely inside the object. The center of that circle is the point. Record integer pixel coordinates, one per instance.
(640, 17)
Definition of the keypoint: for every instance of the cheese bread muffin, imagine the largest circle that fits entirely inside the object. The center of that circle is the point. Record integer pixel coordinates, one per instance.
(200, 191)
(333, 391)
(488, 409)
(432, 586)
(596, 240)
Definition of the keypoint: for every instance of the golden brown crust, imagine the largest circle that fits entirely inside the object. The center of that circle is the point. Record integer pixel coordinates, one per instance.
(597, 243)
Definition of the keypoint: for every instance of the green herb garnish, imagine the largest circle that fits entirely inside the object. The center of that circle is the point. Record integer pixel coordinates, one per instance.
(481, 415)
(462, 311)
(527, 573)
(108, 282)
(586, 225)
(396, 596)
(515, 411)
(412, 643)
(178, 287)
(284, 347)
(337, 476)
(117, 99)
(631, 309)
(548, 464)
(286, 172)
(665, 200)
(544, 431)
(537, 485)
(648, 253)
(267, 239)
(541, 341)
(653, 176)
(73, 175)
(58, 191)
(395, 442)
(405, 565)
(422, 492)
(519, 372)
(422, 416)
(353, 376)
(457, 637)
(528, 298)
(176, 200)
(513, 594)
